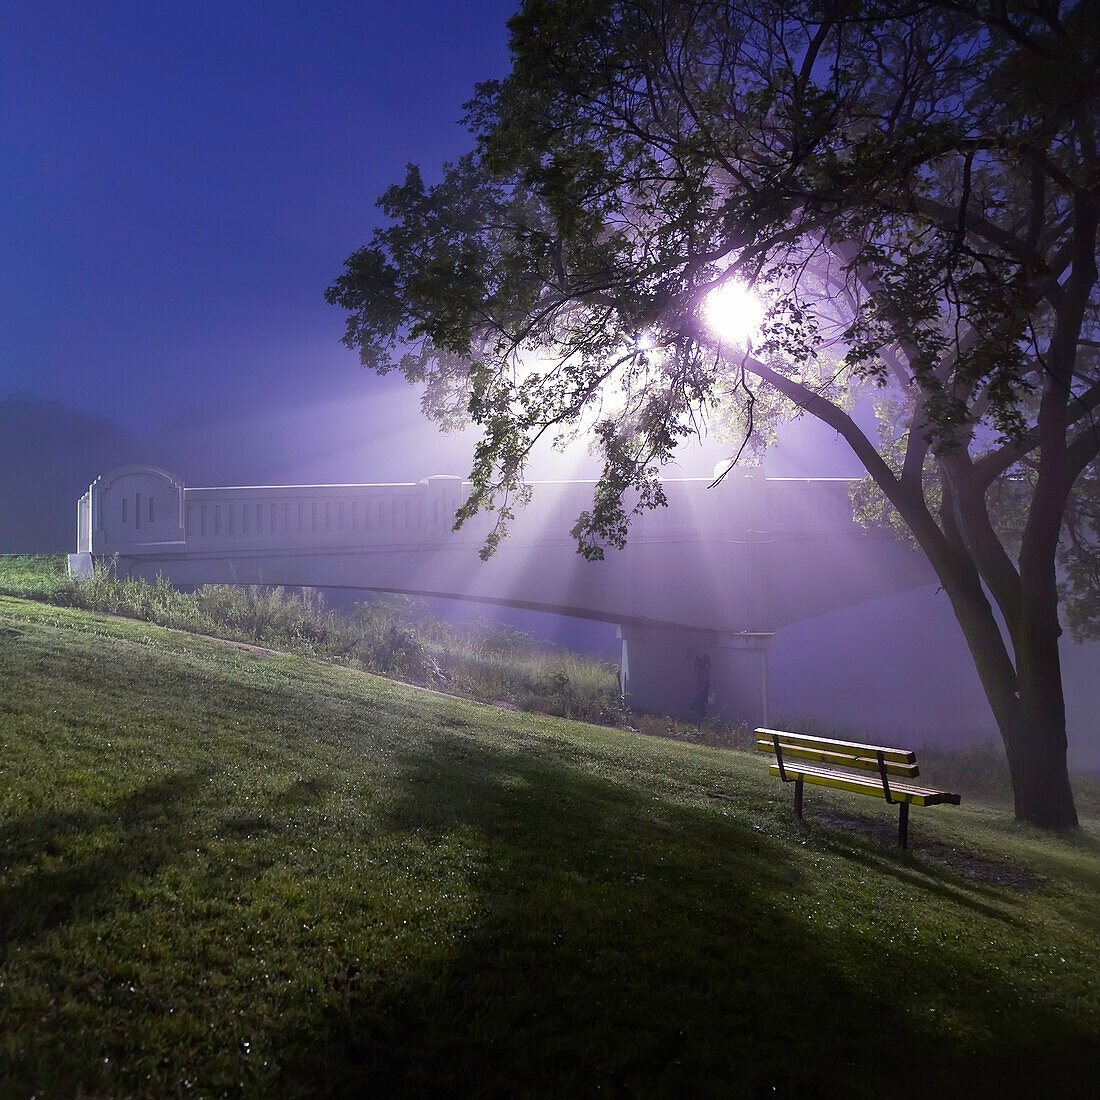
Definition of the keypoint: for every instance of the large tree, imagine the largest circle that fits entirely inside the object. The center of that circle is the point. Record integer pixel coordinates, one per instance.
(912, 191)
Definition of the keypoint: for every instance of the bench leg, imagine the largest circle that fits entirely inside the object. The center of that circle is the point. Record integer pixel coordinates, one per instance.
(798, 798)
(903, 825)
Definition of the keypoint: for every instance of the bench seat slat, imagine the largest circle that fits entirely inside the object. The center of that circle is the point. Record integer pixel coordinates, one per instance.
(899, 792)
(868, 763)
(830, 744)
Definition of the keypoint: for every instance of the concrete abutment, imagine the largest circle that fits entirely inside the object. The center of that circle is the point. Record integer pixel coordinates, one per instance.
(696, 674)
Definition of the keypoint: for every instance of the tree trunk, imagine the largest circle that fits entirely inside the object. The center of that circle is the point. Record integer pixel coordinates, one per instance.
(1040, 780)
(1024, 687)
(1032, 722)
(1036, 741)
(1026, 697)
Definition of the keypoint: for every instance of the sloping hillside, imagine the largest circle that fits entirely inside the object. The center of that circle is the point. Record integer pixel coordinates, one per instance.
(230, 872)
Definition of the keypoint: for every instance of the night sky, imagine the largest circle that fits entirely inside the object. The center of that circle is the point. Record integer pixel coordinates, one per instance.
(182, 181)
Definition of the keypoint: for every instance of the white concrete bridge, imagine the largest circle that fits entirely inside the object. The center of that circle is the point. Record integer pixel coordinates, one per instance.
(698, 593)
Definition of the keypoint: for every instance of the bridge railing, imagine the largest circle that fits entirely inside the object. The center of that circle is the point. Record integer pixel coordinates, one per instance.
(801, 506)
(143, 510)
(331, 515)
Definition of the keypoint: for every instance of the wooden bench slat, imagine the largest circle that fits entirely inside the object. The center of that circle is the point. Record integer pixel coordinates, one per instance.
(830, 744)
(868, 763)
(899, 792)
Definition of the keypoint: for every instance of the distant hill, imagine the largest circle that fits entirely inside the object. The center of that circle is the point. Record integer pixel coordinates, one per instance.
(49, 454)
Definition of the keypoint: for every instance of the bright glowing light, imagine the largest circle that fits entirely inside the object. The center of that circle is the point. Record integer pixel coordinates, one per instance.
(733, 312)
(645, 341)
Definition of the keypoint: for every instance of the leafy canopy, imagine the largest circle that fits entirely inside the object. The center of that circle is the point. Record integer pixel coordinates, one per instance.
(911, 189)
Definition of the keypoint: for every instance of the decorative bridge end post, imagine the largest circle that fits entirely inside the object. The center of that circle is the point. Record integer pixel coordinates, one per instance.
(131, 510)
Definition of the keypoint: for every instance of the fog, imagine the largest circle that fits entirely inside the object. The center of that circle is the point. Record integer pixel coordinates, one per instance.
(896, 667)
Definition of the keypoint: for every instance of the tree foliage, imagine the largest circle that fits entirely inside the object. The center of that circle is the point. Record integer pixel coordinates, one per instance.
(912, 188)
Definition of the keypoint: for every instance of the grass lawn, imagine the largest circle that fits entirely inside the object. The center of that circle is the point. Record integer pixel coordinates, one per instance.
(227, 872)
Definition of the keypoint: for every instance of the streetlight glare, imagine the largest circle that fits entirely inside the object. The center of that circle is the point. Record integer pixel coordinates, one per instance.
(733, 312)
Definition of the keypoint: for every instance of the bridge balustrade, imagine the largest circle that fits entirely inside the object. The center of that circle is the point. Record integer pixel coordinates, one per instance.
(302, 515)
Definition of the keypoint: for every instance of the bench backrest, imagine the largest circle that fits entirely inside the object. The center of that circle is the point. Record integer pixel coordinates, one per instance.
(844, 754)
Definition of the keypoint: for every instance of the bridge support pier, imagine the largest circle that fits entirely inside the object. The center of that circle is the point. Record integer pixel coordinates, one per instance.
(695, 674)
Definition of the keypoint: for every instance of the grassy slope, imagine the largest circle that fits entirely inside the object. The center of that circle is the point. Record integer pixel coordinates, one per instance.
(225, 873)
(390, 636)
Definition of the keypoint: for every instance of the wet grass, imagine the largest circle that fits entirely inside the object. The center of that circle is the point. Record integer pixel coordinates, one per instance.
(226, 873)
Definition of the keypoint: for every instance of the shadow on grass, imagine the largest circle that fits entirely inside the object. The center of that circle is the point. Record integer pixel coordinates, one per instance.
(306, 791)
(608, 956)
(146, 830)
(919, 875)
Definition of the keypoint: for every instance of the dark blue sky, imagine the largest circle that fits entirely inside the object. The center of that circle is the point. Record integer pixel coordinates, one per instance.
(182, 180)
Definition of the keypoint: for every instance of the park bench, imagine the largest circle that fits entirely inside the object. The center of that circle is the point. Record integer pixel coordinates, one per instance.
(832, 761)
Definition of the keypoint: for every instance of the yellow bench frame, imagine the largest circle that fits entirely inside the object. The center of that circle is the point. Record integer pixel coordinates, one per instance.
(837, 755)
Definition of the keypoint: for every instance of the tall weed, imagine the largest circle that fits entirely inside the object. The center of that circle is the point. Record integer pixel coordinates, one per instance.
(393, 636)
